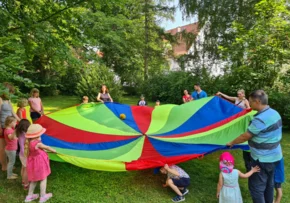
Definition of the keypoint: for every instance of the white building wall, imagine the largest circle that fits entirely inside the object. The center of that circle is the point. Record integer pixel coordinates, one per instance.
(215, 67)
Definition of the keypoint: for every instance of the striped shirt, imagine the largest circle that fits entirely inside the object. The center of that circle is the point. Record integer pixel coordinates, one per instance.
(266, 129)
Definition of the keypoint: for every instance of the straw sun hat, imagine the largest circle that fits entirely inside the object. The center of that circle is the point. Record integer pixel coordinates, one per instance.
(35, 130)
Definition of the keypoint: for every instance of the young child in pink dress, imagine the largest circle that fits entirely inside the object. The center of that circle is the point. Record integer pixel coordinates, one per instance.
(37, 163)
(21, 130)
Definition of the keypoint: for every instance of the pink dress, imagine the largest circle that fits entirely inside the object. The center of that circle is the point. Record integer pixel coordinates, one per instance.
(37, 163)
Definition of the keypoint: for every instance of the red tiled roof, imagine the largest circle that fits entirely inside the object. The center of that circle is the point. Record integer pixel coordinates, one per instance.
(100, 54)
(181, 48)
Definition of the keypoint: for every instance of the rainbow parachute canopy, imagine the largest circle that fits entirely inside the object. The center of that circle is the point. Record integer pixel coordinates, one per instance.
(93, 136)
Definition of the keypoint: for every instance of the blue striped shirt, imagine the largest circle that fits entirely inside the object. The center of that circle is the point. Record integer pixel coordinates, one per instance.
(266, 129)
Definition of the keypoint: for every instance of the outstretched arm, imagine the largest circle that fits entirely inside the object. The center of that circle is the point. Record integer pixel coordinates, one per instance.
(227, 97)
(219, 185)
(42, 146)
(241, 139)
(247, 175)
(165, 185)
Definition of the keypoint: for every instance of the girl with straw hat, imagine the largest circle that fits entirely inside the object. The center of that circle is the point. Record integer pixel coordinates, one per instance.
(37, 163)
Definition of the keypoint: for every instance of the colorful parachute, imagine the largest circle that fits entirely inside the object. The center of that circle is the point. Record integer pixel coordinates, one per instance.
(93, 136)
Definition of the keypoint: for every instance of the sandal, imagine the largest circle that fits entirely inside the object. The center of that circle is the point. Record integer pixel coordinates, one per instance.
(30, 198)
(45, 197)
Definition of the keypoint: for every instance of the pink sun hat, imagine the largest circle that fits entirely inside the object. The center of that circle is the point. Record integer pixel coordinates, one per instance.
(227, 157)
(35, 130)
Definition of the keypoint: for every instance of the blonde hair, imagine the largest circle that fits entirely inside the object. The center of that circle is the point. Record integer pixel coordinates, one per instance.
(26, 147)
(9, 120)
(22, 103)
(34, 90)
(241, 91)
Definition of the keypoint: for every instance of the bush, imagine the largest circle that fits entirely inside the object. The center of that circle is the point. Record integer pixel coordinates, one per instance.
(69, 82)
(280, 102)
(169, 87)
(93, 77)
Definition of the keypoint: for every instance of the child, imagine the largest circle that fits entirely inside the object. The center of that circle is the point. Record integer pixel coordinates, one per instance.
(36, 108)
(186, 97)
(157, 103)
(21, 111)
(11, 145)
(142, 101)
(20, 133)
(85, 100)
(279, 178)
(228, 189)
(178, 180)
(37, 163)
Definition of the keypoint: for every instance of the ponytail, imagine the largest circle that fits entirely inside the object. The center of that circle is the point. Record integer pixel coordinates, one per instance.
(26, 147)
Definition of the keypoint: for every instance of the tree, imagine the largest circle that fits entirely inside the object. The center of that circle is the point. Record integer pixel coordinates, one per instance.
(259, 53)
(131, 40)
(37, 40)
(93, 77)
(43, 43)
(215, 18)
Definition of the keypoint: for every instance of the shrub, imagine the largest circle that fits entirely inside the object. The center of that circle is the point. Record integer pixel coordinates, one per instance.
(280, 102)
(93, 77)
(69, 82)
(168, 88)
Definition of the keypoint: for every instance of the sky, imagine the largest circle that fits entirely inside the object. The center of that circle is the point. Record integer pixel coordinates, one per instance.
(167, 24)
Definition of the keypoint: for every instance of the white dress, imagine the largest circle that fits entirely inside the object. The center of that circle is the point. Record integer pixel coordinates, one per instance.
(230, 192)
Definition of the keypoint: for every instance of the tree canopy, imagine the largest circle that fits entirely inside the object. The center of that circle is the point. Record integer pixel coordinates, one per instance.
(42, 42)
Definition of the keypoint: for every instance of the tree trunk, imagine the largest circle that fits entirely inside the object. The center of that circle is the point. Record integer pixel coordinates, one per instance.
(146, 40)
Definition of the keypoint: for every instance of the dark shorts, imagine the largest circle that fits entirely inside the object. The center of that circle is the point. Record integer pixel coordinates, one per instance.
(182, 182)
(35, 115)
(278, 185)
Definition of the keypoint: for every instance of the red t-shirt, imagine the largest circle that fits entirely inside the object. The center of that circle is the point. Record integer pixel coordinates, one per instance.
(187, 98)
(11, 145)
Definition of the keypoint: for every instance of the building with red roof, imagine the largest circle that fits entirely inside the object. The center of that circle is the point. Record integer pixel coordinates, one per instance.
(181, 47)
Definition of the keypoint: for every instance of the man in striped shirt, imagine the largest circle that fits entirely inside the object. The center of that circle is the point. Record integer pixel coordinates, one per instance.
(263, 135)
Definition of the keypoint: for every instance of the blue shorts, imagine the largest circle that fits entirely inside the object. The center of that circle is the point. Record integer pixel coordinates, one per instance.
(279, 176)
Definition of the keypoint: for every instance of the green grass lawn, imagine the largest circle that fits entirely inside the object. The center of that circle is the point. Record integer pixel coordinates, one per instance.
(69, 183)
